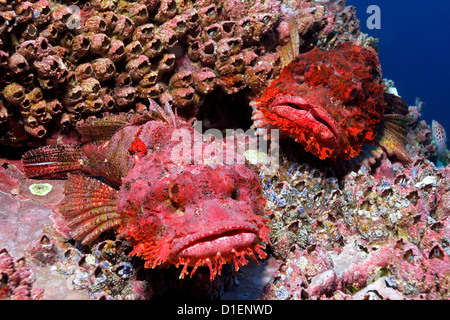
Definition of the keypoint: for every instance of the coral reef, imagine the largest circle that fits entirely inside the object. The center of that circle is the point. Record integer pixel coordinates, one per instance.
(63, 61)
(396, 270)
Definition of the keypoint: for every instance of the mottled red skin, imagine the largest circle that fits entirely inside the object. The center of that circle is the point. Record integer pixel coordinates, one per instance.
(189, 214)
(329, 101)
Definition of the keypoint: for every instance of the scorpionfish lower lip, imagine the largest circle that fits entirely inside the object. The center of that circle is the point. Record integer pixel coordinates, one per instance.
(224, 243)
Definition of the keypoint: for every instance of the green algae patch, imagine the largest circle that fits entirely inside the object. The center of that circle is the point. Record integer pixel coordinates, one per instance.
(40, 189)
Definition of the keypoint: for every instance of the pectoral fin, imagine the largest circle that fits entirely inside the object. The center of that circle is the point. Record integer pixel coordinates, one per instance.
(89, 207)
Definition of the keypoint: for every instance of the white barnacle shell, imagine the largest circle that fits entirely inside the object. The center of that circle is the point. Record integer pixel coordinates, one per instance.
(426, 181)
(36, 14)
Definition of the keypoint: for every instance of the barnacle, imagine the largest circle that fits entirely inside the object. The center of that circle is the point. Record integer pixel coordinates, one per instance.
(50, 48)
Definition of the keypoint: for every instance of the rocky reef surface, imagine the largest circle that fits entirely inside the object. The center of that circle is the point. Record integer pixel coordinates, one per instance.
(374, 231)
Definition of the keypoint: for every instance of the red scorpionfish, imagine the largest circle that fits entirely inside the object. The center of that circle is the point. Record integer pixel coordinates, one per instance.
(331, 102)
(172, 213)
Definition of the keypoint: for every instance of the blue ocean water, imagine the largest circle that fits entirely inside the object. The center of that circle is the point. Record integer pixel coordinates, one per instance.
(414, 51)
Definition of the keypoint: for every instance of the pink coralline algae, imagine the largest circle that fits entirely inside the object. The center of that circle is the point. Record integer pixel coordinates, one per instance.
(397, 270)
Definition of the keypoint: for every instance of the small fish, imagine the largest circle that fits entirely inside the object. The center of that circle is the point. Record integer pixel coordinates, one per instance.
(172, 213)
(439, 137)
(331, 102)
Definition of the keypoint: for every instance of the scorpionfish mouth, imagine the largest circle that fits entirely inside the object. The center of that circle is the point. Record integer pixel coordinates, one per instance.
(308, 124)
(208, 243)
(218, 246)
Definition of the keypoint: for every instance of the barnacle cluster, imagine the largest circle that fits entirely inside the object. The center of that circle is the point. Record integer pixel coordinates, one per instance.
(17, 279)
(106, 272)
(305, 201)
(63, 61)
(312, 206)
(381, 229)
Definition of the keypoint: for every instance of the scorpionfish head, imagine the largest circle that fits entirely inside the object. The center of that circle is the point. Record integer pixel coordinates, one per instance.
(329, 101)
(193, 215)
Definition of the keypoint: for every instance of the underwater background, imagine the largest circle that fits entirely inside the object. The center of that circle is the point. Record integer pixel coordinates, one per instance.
(414, 50)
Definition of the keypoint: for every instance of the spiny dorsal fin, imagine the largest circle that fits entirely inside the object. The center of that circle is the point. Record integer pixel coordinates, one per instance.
(89, 207)
(102, 129)
(395, 104)
(165, 114)
(290, 50)
(96, 130)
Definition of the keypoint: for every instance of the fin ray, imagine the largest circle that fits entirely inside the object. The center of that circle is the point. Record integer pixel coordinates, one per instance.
(96, 130)
(89, 207)
(392, 136)
(290, 50)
